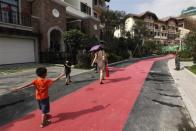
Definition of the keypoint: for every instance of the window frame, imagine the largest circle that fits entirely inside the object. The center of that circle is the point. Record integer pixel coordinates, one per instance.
(13, 16)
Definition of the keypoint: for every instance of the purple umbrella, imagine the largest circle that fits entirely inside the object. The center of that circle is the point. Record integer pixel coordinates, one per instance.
(96, 47)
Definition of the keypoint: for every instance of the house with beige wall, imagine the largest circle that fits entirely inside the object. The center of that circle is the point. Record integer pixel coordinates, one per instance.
(164, 31)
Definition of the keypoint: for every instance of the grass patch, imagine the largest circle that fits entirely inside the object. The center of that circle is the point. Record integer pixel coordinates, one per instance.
(186, 59)
(192, 69)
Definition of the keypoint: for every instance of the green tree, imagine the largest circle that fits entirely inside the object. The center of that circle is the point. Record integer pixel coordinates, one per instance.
(77, 42)
(191, 44)
(140, 36)
(190, 39)
(112, 21)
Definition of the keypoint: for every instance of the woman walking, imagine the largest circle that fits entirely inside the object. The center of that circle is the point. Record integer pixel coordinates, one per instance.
(101, 60)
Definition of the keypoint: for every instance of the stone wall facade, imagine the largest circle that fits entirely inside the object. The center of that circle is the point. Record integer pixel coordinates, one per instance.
(44, 21)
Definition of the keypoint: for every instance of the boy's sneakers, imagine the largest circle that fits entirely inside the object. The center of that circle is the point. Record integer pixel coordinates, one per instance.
(45, 123)
(66, 83)
(48, 116)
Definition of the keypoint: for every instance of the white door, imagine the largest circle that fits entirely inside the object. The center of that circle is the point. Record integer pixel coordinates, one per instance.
(16, 50)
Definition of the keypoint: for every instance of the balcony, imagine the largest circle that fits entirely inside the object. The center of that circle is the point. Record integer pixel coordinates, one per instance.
(157, 30)
(99, 5)
(171, 31)
(9, 18)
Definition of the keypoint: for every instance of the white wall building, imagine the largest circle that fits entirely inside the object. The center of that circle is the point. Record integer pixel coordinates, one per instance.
(129, 23)
(164, 31)
(75, 8)
(183, 34)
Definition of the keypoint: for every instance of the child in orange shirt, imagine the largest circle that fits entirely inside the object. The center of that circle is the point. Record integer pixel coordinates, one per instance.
(41, 85)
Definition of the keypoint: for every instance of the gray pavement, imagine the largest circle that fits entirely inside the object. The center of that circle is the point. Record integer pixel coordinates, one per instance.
(159, 106)
(11, 80)
(186, 83)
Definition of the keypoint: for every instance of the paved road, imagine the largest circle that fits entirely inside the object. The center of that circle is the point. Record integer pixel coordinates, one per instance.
(16, 105)
(158, 108)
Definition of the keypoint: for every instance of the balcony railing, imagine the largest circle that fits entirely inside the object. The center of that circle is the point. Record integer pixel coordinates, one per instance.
(17, 18)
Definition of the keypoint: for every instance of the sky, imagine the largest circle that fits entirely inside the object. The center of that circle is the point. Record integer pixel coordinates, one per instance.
(162, 8)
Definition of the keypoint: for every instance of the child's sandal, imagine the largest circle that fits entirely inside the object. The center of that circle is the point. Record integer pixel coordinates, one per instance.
(48, 116)
(45, 123)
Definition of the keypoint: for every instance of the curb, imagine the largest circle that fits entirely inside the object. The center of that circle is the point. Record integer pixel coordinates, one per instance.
(184, 97)
(119, 62)
(126, 60)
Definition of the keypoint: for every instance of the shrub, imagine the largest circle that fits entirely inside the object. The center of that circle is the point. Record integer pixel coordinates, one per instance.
(114, 58)
(74, 41)
(185, 54)
(84, 61)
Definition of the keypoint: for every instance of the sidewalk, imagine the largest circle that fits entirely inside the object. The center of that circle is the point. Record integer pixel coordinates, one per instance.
(11, 80)
(18, 78)
(186, 83)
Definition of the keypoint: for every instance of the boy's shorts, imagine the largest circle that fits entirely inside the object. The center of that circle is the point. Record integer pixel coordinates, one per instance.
(44, 105)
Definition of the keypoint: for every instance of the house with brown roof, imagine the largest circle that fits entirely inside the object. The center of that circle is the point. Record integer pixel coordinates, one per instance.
(164, 31)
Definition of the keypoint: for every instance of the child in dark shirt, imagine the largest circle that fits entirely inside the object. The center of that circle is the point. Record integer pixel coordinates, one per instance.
(67, 66)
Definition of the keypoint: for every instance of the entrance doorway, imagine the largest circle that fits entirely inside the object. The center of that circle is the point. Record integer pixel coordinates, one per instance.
(55, 41)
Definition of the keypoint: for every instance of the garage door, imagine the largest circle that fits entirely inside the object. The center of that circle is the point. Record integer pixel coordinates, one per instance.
(15, 50)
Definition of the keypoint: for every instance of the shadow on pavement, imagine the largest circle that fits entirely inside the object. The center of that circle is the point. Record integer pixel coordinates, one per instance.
(87, 80)
(167, 104)
(117, 80)
(11, 104)
(73, 115)
(23, 119)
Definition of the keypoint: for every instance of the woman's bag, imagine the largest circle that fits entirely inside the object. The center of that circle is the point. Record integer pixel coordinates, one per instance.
(107, 70)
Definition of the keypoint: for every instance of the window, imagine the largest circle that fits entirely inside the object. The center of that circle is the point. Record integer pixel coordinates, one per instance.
(163, 28)
(181, 25)
(9, 11)
(95, 15)
(85, 8)
(100, 2)
(156, 27)
(152, 33)
(95, 2)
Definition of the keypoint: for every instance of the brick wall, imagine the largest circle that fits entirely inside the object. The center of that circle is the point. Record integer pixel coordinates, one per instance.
(25, 7)
(43, 19)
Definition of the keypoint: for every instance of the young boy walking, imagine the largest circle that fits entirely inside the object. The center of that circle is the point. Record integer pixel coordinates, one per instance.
(42, 84)
(67, 66)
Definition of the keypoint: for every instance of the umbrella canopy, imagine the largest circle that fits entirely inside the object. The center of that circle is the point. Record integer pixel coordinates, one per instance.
(96, 47)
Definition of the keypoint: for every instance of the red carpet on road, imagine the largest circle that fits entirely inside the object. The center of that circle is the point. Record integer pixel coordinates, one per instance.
(94, 107)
